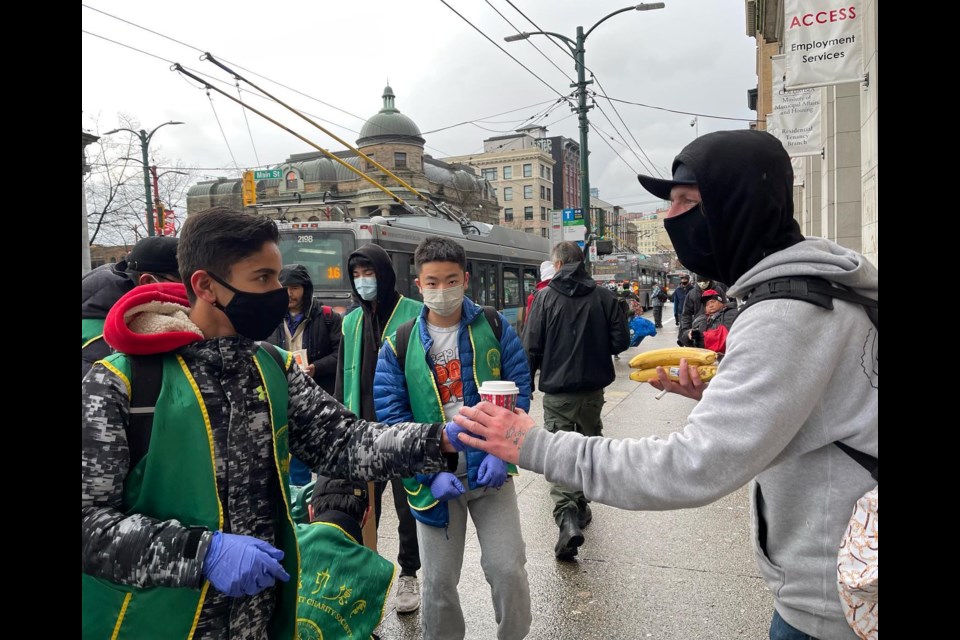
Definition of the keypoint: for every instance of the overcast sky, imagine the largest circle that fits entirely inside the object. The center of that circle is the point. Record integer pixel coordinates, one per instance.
(691, 56)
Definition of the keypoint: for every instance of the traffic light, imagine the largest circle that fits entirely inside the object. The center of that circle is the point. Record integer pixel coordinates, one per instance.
(249, 189)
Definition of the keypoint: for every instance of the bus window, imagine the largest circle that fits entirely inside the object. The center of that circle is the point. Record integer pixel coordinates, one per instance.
(406, 275)
(530, 281)
(323, 253)
(511, 287)
(486, 275)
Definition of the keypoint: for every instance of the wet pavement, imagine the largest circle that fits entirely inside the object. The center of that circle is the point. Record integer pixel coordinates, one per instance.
(674, 574)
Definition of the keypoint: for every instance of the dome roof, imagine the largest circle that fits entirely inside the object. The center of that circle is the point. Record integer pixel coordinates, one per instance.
(389, 125)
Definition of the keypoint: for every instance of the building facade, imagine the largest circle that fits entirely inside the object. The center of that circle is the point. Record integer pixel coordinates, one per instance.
(315, 187)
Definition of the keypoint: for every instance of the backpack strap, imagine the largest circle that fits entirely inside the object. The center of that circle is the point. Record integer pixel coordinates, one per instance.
(809, 289)
(865, 460)
(327, 315)
(275, 354)
(146, 379)
(402, 338)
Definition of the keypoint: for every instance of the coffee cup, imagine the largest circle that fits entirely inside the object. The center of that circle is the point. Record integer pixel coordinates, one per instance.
(502, 393)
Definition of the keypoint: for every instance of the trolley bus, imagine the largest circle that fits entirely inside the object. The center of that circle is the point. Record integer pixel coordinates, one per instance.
(503, 263)
(632, 267)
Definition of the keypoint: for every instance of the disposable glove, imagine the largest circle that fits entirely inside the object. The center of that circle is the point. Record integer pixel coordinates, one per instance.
(446, 486)
(242, 565)
(492, 473)
(453, 429)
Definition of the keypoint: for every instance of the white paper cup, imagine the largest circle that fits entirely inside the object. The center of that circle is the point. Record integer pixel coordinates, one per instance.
(502, 393)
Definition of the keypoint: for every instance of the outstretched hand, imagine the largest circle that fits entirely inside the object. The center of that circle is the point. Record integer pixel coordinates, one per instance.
(689, 385)
(494, 429)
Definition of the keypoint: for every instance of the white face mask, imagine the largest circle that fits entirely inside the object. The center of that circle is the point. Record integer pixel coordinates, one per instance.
(704, 284)
(443, 302)
(366, 287)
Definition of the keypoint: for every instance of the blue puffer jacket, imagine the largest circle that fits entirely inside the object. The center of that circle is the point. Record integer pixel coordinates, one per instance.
(393, 402)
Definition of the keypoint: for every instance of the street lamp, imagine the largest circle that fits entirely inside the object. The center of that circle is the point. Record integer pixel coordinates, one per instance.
(577, 51)
(144, 144)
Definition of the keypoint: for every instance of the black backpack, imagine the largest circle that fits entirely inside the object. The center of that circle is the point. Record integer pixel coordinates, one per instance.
(402, 339)
(146, 379)
(821, 293)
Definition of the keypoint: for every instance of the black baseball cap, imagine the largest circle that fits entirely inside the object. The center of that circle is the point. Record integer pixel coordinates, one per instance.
(660, 187)
(154, 254)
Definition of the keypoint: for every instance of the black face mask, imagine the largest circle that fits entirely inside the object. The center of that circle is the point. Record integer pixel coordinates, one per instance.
(254, 315)
(691, 240)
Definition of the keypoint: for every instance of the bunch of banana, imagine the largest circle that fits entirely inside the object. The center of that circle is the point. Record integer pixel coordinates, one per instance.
(647, 362)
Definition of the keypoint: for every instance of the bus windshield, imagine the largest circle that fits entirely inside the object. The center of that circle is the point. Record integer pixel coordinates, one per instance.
(324, 253)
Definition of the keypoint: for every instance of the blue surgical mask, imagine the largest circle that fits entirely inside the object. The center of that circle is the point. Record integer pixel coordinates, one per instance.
(366, 288)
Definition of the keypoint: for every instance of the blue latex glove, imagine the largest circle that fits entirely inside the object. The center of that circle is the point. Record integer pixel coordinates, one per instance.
(492, 473)
(242, 565)
(453, 429)
(446, 486)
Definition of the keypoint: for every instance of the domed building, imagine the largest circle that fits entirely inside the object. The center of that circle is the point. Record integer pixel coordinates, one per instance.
(315, 187)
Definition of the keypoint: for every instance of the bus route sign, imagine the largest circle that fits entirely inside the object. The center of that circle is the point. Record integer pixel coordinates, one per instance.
(267, 174)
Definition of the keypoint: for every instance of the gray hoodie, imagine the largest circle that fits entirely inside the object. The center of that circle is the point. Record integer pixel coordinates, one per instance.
(796, 378)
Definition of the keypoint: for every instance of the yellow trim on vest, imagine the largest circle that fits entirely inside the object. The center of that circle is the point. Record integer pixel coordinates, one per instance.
(473, 348)
(123, 612)
(90, 341)
(429, 506)
(338, 528)
(196, 615)
(118, 373)
(209, 429)
(392, 346)
(275, 434)
(393, 577)
(392, 313)
(413, 493)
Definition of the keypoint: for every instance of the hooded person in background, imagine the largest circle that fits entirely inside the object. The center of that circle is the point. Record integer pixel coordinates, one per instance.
(693, 306)
(152, 259)
(381, 310)
(547, 271)
(314, 329)
(797, 380)
(679, 296)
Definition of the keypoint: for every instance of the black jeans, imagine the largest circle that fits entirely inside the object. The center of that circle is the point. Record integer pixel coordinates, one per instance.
(409, 555)
(658, 317)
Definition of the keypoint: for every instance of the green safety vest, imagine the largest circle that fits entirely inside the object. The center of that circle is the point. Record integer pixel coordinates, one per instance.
(176, 479)
(406, 309)
(343, 585)
(92, 329)
(425, 397)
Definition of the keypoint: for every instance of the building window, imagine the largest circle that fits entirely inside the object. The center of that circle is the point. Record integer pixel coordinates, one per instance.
(489, 174)
(528, 213)
(508, 193)
(527, 192)
(508, 173)
(508, 215)
(543, 192)
(528, 171)
(549, 196)
(544, 172)
(399, 160)
(528, 229)
(545, 232)
(543, 213)
(292, 182)
(370, 165)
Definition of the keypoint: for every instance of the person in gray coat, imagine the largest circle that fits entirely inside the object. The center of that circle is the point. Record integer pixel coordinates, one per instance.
(797, 379)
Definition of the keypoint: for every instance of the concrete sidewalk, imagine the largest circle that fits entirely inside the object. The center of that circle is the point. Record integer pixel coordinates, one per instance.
(677, 574)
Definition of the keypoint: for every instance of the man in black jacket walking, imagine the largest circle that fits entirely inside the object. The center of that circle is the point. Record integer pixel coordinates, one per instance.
(573, 330)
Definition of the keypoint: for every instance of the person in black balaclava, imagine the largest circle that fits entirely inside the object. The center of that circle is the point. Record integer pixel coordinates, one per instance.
(798, 379)
(381, 310)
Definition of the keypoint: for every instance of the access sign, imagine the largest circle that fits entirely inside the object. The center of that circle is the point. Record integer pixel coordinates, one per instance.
(267, 174)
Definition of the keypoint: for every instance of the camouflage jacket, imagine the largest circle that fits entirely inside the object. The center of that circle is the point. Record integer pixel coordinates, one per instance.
(134, 549)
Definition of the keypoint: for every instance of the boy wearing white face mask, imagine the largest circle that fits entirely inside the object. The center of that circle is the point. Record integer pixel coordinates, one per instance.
(434, 365)
(380, 310)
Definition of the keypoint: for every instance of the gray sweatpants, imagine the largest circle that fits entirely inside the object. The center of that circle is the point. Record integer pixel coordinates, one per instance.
(502, 557)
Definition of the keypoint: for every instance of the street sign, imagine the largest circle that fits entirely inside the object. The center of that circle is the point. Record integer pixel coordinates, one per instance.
(593, 252)
(268, 174)
(573, 218)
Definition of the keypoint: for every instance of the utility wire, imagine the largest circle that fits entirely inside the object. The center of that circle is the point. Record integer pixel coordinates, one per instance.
(222, 132)
(532, 44)
(247, 121)
(478, 30)
(603, 136)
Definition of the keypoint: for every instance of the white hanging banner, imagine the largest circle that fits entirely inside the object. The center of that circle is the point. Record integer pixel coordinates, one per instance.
(822, 42)
(798, 171)
(796, 115)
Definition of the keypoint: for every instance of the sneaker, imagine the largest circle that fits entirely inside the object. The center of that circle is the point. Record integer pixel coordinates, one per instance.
(407, 599)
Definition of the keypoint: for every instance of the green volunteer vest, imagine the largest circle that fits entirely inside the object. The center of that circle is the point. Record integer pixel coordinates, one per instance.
(91, 329)
(176, 480)
(343, 585)
(425, 397)
(406, 309)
